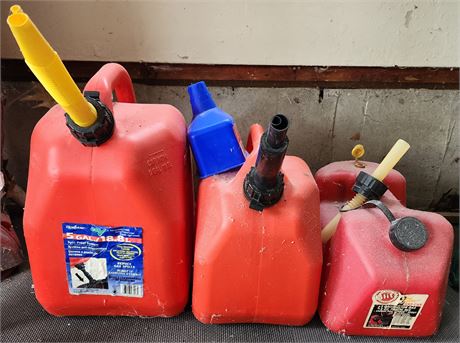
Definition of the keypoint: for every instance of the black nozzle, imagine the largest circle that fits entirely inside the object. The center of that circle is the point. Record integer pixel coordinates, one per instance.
(273, 146)
(264, 184)
(277, 131)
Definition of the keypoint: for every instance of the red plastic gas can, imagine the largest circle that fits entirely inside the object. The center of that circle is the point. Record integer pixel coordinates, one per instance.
(370, 286)
(108, 228)
(257, 265)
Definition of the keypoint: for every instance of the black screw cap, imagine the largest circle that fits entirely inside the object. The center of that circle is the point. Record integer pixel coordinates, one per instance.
(408, 234)
(260, 197)
(369, 186)
(99, 132)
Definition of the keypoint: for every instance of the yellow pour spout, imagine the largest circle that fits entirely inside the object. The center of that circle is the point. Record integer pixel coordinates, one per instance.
(49, 69)
(394, 155)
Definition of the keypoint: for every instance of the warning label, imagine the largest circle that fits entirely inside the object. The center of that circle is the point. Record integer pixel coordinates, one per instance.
(393, 310)
(104, 260)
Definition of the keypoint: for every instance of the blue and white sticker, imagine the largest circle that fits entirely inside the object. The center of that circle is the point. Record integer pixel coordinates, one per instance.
(104, 260)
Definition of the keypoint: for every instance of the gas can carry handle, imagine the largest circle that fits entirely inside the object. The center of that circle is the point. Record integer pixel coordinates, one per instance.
(112, 77)
(255, 132)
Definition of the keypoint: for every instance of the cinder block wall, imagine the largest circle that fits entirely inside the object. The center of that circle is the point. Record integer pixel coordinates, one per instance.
(324, 126)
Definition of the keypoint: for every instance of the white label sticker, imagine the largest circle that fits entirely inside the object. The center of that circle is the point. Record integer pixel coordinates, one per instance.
(393, 310)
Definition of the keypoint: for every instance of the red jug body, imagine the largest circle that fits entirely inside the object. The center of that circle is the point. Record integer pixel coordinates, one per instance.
(126, 200)
(369, 286)
(257, 266)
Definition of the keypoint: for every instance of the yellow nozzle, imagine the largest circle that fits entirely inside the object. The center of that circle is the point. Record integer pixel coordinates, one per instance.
(394, 155)
(49, 69)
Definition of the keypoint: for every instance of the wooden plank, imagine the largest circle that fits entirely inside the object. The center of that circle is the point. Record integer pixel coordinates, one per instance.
(259, 76)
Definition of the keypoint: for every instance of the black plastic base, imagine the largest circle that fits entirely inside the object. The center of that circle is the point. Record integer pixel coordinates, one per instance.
(100, 131)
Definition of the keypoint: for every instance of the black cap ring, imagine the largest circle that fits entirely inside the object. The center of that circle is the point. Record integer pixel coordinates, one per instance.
(261, 198)
(369, 186)
(100, 131)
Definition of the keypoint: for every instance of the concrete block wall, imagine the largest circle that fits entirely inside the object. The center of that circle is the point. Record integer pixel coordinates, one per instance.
(325, 125)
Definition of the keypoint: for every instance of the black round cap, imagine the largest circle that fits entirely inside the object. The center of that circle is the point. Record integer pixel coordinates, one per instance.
(369, 186)
(408, 234)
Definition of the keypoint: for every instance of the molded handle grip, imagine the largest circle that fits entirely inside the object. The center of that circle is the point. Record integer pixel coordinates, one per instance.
(255, 133)
(112, 77)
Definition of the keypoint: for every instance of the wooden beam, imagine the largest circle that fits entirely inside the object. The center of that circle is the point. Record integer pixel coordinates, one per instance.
(259, 76)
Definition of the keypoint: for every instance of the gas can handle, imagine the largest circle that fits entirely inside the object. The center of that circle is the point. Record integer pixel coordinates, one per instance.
(255, 132)
(112, 77)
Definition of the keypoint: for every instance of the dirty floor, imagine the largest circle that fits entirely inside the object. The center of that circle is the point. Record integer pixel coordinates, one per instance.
(23, 320)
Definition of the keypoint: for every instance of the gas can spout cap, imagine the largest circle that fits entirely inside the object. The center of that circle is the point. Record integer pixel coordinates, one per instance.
(357, 152)
(200, 98)
(406, 233)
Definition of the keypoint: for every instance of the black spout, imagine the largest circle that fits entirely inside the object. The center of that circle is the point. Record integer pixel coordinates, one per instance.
(264, 184)
(273, 146)
(277, 131)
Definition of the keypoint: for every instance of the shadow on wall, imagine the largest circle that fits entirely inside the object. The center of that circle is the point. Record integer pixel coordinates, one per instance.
(325, 125)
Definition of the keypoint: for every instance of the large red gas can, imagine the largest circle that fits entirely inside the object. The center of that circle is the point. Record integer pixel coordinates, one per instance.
(259, 264)
(371, 285)
(108, 227)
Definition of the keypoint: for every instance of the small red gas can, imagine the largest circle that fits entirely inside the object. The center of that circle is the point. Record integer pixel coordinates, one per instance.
(258, 247)
(375, 283)
(108, 227)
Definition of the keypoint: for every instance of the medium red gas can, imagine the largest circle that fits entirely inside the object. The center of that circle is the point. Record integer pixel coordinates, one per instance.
(375, 283)
(108, 227)
(258, 248)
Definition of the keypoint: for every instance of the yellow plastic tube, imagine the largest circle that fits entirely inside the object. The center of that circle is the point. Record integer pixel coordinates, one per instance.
(49, 69)
(394, 155)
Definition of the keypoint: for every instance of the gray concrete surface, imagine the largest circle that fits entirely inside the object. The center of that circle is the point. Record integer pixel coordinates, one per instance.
(323, 128)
